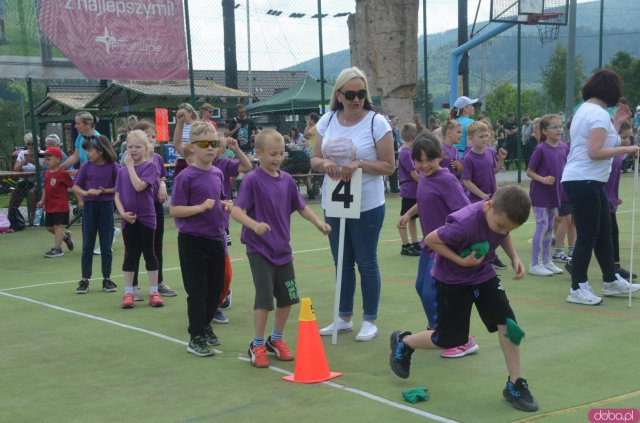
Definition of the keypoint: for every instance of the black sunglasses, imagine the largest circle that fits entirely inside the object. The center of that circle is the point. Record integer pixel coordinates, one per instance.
(204, 143)
(350, 95)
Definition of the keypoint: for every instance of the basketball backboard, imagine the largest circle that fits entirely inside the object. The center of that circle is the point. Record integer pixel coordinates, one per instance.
(555, 12)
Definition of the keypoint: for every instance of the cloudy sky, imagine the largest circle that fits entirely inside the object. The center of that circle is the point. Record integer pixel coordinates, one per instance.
(281, 41)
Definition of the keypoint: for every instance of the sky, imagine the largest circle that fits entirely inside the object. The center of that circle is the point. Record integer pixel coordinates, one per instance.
(281, 41)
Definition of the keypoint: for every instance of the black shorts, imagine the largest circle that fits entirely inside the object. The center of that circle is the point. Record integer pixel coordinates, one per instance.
(56, 219)
(564, 209)
(454, 310)
(272, 281)
(407, 203)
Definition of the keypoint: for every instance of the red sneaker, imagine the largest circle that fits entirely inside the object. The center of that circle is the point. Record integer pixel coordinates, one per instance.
(280, 349)
(258, 356)
(155, 300)
(127, 301)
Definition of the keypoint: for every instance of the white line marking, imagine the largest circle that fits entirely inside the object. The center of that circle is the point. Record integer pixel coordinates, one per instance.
(275, 369)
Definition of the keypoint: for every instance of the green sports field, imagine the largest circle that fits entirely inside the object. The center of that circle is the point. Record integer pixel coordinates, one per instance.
(80, 358)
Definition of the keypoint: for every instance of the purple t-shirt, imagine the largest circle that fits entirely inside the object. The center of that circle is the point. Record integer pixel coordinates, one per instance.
(162, 173)
(547, 160)
(229, 169)
(480, 169)
(611, 188)
(439, 195)
(408, 185)
(462, 229)
(94, 176)
(139, 203)
(191, 188)
(450, 154)
(269, 199)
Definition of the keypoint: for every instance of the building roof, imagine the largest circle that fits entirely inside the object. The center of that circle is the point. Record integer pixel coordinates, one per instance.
(64, 101)
(265, 83)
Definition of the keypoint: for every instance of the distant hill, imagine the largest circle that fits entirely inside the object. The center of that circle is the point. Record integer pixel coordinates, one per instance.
(621, 32)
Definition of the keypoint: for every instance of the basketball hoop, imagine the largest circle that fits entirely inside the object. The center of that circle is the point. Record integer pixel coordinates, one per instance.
(548, 29)
(548, 33)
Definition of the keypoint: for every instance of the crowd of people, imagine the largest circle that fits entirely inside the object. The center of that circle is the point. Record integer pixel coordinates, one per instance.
(446, 177)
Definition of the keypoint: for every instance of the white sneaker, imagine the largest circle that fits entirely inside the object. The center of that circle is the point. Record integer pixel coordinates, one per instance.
(97, 251)
(553, 268)
(368, 331)
(618, 287)
(583, 295)
(540, 270)
(116, 233)
(342, 327)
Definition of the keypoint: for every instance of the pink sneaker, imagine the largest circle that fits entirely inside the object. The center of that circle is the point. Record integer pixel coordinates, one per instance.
(466, 349)
(155, 300)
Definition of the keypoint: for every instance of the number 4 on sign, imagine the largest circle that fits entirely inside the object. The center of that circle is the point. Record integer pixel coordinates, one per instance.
(344, 197)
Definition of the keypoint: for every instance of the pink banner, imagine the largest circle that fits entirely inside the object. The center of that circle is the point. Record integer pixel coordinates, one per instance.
(119, 39)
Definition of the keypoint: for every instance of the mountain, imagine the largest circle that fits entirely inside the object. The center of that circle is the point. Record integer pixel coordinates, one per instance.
(621, 31)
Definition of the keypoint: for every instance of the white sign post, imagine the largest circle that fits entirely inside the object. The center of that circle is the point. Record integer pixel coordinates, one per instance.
(343, 201)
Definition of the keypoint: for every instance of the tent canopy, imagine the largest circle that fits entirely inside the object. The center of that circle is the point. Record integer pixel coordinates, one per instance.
(304, 95)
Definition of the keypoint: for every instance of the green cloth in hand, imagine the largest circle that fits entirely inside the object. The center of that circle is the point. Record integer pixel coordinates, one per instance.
(514, 332)
(481, 248)
(414, 395)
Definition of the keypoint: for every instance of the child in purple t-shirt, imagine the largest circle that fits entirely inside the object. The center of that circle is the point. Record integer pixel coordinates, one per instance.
(135, 187)
(439, 194)
(462, 282)
(198, 208)
(480, 165)
(94, 186)
(451, 135)
(266, 200)
(408, 178)
(545, 170)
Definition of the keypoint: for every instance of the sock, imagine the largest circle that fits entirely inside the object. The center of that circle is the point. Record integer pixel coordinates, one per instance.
(153, 289)
(128, 290)
(258, 341)
(558, 250)
(276, 336)
(570, 251)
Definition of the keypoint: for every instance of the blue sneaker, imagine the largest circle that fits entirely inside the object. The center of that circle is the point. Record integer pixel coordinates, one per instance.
(400, 359)
(519, 396)
(219, 317)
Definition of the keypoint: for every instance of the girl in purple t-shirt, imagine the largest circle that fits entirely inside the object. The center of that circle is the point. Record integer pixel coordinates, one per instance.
(94, 187)
(408, 176)
(545, 170)
(136, 186)
(451, 135)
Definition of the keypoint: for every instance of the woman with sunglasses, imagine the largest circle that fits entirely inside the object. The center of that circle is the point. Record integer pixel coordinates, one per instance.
(185, 116)
(353, 127)
(594, 144)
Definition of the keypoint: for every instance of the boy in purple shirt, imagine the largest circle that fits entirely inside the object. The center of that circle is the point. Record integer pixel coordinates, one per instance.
(545, 170)
(135, 187)
(198, 208)
(408, 176)
(266, 200)
(479, 165)
(463, 282)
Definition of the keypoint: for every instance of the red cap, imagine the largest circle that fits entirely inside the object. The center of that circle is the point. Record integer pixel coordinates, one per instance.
(53, 151)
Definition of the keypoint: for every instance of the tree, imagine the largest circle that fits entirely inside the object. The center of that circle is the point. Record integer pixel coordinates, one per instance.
(628, 68)
(418, 100)
(554, 77)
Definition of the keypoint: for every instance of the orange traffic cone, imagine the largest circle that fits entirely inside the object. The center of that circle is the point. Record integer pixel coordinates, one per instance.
(311, 363)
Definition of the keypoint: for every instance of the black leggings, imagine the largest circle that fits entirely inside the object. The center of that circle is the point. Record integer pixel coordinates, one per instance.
(615, 235)
(157, 244)
(138, 239)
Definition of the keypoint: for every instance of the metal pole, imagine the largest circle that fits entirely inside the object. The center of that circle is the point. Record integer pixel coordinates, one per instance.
(424, 60)
(463, 37)
(601, 33)
(189, 52)
(36, 145)
(322, 95)
(519, 106)
(569, 97)
(249, 54)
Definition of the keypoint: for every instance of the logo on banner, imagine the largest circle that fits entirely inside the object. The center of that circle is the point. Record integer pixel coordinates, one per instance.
(119, 39)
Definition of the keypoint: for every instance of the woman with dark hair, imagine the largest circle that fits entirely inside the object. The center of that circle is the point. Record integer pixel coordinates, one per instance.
(353, 136)
(594, 144)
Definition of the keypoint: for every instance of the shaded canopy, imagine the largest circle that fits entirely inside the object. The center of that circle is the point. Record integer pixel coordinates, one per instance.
(304, 95)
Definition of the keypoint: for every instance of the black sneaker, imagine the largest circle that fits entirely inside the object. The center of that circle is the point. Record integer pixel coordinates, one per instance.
(67, 240)
(625, 273)
(198, 346)
(109, 286)
(210, 337)
(408, 250)
(226, 303)
(416, 246)
(519, 396)
(400, 358)
(498, 264)
(83, 287)
(568, 266)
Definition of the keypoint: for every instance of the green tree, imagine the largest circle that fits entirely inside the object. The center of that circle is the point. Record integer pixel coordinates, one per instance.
(554, 77)
(628, 68)
(501, 101)
(418, 100)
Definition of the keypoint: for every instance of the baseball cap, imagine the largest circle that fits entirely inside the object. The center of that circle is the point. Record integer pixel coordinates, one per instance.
(463, 102)
(53, 151)
(638, 108)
